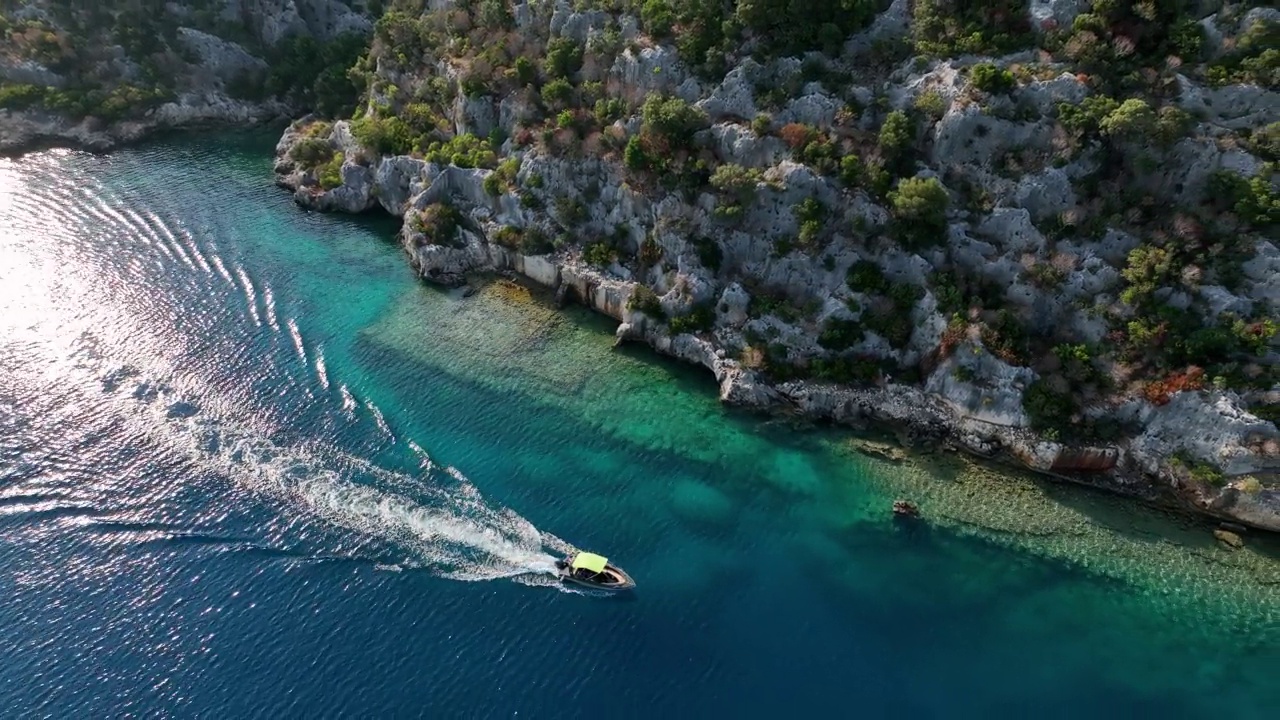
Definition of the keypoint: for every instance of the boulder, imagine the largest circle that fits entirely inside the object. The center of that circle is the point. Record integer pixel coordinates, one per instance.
(220, 58)
(1236, 107)
(1228, 539)
(980, 386)
(734, 97)
(1046, 194)
(1212, 427)
(1045, 15)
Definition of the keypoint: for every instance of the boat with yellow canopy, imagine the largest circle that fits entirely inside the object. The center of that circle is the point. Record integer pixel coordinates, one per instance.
(593, 571)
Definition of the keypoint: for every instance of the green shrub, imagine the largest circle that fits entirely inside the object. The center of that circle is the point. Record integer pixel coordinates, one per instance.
(1047, 408)
(838, 335)
(1086, 118)
(1173, 124)
(609, 110)
(536, 242)
(492, 185)
(509, 237)
(866, 277)
(557, 93)
(920, 207)
(316, 72)
(387, 136)
(1265, 142)
(736, 181)
(646, 301)
(931, 104)
(1254, 200)
(709, 252)
(811, 215)
(439, 223)
(890, 324)
(650, 252)
(526, 72)
(992, 27)
(673, 118)
(989, 78)
(701, 317)
(1132, 119)
(330, 174)
(851, 171)
(761, 124)
(465, 151)
(310, 151)
(564, 58)
(1255, 58)
(897, 135)
(18, 97)
(600, 254)
(1187, 38)
(634, 156)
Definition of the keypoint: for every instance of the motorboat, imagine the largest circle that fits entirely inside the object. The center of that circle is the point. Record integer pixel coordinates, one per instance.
(593, 571)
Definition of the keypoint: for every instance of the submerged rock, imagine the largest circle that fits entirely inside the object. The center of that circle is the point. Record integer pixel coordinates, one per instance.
(1228, 539)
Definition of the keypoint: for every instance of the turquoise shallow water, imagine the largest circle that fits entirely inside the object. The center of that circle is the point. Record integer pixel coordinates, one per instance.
(250, 466)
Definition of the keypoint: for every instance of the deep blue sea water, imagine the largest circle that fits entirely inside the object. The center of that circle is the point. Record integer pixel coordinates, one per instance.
(251, 467)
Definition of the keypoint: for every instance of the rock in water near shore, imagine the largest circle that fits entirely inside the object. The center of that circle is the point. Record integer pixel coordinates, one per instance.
(1228, 539)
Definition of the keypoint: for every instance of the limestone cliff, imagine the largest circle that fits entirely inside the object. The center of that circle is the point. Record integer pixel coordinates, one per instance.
(1005, 243)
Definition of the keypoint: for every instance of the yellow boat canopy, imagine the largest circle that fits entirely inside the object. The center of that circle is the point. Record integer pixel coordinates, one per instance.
(589, 561)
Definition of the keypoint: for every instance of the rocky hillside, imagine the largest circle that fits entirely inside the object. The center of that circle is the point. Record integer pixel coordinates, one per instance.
(95, 73)
(1043, 231)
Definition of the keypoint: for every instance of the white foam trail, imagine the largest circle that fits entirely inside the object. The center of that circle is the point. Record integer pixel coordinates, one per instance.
(296, 334)
(378, 418)
(348, 400)
(252, 296)
(269, 301)
(440, 520)
(222, 270)
(321, 371)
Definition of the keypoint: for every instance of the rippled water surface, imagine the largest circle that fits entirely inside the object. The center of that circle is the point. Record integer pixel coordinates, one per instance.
(249, 466)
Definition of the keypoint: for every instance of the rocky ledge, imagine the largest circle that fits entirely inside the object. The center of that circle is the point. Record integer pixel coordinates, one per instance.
(977, 410)
(24, 130)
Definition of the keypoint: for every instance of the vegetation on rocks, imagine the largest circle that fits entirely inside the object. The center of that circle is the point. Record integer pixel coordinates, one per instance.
(121, 59)
(1095, 214)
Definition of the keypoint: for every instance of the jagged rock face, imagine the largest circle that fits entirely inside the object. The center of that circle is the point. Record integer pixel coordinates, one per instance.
(733, 98)
(1194, 160)
(1263, 270)
(223, 59)
(1046, 194)
(1211, 427)
(971, 397)
(969, 136)
(1234, 106)
(635, 76)
(29, 72)
(980, 386)
(274, 20)
(1050, 14)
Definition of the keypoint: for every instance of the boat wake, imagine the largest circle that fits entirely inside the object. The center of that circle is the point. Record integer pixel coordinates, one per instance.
(437, 518)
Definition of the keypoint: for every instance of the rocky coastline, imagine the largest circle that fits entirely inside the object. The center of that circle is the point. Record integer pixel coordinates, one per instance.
(1042, 236)
(405, 187)
(27, 131)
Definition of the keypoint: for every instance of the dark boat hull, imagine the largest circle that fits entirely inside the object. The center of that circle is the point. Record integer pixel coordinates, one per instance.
(621, 580)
